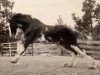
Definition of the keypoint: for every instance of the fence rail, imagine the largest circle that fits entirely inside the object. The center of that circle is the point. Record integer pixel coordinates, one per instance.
(9, 49)
(92, 48)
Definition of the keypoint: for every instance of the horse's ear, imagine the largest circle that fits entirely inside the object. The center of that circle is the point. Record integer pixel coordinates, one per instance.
(9, 20)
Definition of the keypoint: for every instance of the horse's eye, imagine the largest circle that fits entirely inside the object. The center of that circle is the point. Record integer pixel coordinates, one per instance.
(50, 38)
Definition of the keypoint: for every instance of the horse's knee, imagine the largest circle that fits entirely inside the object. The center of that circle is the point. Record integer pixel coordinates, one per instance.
(75, 53)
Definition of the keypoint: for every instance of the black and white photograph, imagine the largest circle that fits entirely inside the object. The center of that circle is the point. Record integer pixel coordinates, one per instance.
(49, 37)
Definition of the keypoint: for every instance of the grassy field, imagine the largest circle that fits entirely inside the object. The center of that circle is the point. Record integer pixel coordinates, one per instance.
(45, 65)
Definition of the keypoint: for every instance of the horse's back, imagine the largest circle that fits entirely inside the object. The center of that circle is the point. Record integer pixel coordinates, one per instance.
(62, 34)
(66, 34)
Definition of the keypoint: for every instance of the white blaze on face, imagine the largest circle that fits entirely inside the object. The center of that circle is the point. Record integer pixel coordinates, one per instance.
(19, 34)
(18, 30)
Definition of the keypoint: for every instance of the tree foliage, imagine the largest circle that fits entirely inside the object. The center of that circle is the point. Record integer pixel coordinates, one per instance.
(85, 24)
(5, 13)
(97, 13)
(96, 30)
(60, 21)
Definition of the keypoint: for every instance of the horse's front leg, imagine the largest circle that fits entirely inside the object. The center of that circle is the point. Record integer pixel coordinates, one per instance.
(20, 50)
(72, 62)
(73, 54)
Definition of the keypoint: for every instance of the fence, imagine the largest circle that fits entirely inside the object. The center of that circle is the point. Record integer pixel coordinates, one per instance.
(9, 49)
(92, 48)
(46, 49)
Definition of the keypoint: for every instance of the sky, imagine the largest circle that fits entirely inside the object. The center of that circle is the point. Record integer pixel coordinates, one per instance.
(48, 11)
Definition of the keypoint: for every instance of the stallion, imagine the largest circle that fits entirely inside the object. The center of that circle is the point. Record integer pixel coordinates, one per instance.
(34, 29)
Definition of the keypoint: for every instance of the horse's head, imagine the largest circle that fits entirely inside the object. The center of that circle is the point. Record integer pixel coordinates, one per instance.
(20, 21)
(15, 30)
(14, 25)
(24, 22)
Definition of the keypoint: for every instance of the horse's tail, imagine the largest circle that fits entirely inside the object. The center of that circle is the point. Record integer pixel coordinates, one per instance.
(80, 35)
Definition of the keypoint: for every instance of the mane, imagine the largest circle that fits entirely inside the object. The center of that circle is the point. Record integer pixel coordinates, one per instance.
(20, 15)
(24, 18)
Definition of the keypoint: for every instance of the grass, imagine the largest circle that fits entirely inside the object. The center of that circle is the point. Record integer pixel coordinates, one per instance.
(45, 65)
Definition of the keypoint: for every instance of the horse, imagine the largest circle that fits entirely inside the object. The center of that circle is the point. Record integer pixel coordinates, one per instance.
(34, 29)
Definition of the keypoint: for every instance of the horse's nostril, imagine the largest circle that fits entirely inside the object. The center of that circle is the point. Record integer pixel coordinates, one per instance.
(15, 37)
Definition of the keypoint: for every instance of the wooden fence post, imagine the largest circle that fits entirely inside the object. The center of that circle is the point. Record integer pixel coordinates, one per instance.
(10, 49)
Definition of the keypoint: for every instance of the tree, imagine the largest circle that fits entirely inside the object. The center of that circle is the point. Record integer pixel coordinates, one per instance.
(96, 32)
(85, 24)
(97, 14)
(5, 13)
(60, 21)
(96, 29)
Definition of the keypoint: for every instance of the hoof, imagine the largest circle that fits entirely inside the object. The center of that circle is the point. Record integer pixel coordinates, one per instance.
(70, 66)
(67, 65)
(92, 67)
(14, 61)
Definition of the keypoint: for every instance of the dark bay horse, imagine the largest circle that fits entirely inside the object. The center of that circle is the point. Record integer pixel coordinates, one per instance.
(34, 29)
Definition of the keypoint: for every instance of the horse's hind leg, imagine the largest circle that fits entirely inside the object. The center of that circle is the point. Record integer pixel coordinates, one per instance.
(89, 59)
